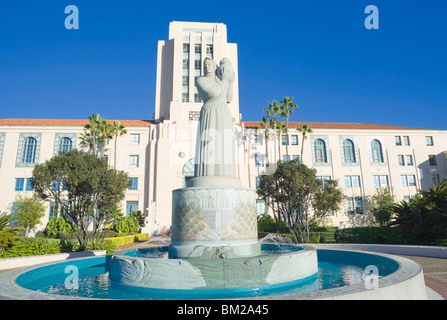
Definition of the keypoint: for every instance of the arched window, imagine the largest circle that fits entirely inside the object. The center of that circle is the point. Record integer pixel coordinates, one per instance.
(188, 171)
(348, 151)
(29, 150)
(320, 151)
(65, 144)
(376, 148)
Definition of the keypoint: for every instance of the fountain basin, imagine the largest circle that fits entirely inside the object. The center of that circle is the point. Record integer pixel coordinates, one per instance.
(132, 268)
(339, 277)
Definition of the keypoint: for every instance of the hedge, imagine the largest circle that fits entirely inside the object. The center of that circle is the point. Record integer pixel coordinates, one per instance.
(121, 241)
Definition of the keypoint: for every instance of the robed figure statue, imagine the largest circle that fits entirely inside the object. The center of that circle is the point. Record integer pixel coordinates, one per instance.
(215, 148)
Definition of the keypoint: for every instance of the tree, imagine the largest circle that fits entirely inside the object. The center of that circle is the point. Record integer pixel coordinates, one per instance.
(287, 107)
(266, 127)
(272, 113)
(92, 130)
(28, 212)
(304, 129)
(297, 197)
(118, 130)
(8, 235)
(105, 132)
(382, 203)
(91, 192)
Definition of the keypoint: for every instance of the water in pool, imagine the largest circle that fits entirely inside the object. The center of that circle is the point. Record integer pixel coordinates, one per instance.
(335, 269)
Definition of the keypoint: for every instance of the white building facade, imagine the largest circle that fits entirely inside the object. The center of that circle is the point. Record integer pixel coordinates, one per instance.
(159, 154)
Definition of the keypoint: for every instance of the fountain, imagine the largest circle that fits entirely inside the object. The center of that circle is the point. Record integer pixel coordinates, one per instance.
(214, 251)
(214, 239)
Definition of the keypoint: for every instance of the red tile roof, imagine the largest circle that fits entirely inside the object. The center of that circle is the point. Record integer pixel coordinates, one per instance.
(247, 124)
(330, 125)
(67, 122)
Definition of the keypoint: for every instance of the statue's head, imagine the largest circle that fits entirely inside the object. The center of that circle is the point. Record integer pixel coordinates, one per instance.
(209, 66)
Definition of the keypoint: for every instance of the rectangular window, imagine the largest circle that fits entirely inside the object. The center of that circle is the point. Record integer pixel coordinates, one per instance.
(294, 140)
(260, 207)
(432, 160)
(131, 206)
(408, 180)
(186, 48)
(134, 161)
(20, 183)
(358, 205)
(258, 182)
(429, 141)
(409, 160)
(135, 138)
(259, 138)
(400, 159)
(284, 140)
(285, 158)
(352, 181)
(209, 51)
(259, 160)
(134, 184)
(296, 157)
(380, 181)
(354, 205)
(29, 186)
(435, 179)
(52, 210)
(406, 140)
(398, 140)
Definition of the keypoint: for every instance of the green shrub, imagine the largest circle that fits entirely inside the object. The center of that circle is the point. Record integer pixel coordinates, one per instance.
(33, 247)
(56, 226)
(377, 235)
(121, 241)
(128, 225)
(266, 223)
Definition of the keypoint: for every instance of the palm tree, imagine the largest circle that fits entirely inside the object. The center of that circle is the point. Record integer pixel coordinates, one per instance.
(87, 140)
(118, 130)
(304, 129)
(287, 108)
(105, 132)
(8, 235)
(266, 126)
(92, 126)
(272, 113)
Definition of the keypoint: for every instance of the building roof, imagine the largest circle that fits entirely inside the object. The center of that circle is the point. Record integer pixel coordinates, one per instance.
(333, 125)
(247, 124)
(67, 122)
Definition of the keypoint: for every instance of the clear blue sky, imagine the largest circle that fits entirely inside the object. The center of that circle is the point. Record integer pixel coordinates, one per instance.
(317, 51)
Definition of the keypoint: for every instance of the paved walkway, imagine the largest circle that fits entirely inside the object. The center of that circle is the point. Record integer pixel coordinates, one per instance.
(435, 273)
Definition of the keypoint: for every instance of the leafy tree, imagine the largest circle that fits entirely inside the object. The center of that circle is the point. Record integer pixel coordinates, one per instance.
(28, 212)
(91, 192)
(298, 198)
(382, 203)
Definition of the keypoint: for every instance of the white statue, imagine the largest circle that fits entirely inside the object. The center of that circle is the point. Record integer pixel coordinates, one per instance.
(215, 149)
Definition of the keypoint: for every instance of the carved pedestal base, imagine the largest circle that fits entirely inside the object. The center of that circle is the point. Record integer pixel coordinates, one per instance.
(214, 222)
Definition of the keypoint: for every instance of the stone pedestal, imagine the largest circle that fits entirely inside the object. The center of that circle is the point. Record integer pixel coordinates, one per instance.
(214, 219)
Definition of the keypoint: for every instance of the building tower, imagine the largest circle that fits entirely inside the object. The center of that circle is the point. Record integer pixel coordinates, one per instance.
(180, 62)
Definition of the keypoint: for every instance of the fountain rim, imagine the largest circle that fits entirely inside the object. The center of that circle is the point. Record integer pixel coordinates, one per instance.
(407, 270)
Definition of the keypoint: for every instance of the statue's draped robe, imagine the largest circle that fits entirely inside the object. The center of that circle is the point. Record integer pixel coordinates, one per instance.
(215, 153)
